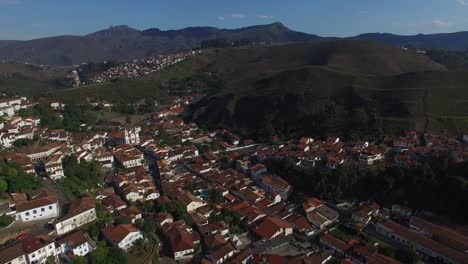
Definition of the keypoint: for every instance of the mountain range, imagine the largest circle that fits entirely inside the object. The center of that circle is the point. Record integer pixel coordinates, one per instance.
(126, 43)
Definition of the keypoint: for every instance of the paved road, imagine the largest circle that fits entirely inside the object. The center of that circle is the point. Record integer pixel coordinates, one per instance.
(18, 227)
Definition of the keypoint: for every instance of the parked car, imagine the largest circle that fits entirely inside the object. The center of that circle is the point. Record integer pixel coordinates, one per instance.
(22, 236)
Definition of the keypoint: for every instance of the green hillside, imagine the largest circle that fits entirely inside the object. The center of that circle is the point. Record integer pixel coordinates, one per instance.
(344, 88)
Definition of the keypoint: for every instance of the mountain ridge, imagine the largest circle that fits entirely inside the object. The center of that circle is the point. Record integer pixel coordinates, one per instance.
(122, 42)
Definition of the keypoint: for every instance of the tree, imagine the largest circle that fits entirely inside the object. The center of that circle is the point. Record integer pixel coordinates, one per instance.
(407, 255)
(80, 260)
(216, 196)
(51, 260)
(3, 186)
(149, 227)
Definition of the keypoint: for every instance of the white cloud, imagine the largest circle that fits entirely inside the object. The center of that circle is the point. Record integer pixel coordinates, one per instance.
(463, 2)
(265, 17)
(230, 16)
(441, 23)
(9, 2)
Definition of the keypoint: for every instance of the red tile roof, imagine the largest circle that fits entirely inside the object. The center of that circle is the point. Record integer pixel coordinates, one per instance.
(270, 226)
(116, 234)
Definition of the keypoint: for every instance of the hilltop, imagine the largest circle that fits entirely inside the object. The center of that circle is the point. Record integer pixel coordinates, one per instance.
(125, 43)
(118, 43)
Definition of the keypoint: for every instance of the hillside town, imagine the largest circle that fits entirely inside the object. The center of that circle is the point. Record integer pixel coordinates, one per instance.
(132, 69)
(173, 191)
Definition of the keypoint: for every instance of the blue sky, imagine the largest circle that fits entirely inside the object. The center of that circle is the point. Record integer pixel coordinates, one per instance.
(27, 19)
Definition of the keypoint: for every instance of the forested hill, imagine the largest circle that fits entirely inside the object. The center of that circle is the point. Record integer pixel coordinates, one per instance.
(351, 89)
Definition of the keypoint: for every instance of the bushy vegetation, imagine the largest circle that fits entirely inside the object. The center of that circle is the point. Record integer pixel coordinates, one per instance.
(5, 220)
(73, 116)
(14, 179)
(81, 178)
(412, 186)
(177, 210)
(105, 254)
(23, 142)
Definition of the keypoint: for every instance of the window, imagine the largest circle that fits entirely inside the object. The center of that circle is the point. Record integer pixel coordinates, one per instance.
(34, 211)
(50, 207)
(42, 209)
(27, 213)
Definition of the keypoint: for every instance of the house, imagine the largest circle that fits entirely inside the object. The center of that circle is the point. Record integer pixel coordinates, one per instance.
(222, 254)
(122, 236)
(272, 227)
(180, 240)
(215, 228)
(370, 155)
(127, 161)
(362, 216)
(257, 171)
(311, 204)
(113, 202)
(334, 162)
(53, 166)
(39, 248)
(334, 244)
(37, 209)
(190, 201)
(322, 216)
(401, 211)
(131, 213)
(243, 257)
(41, 153)
(163, 219)
(76, 243)
(276, 185)
(13, 255)
(81, 212)
(444, 235)
(425, 246)
(104, 193)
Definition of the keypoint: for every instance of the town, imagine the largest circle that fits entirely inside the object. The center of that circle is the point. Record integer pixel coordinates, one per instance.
(132, 69)
(166, 191)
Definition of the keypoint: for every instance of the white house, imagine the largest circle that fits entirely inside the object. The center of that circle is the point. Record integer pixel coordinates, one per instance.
(122, 236)
(82, 211)
(39, 248)
(76, 242)
(191, 201)
(37, 209)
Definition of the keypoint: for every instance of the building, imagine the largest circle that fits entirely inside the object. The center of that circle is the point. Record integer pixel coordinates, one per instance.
(257, 171)
(13, 255)
(39, 248)
(180, 240)
(272, 227)
(82, 211)
(402, 211)
(76, 243)
(276, 185)
(429, 248)
(191, 202)
(37, 209)
(122, 236)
